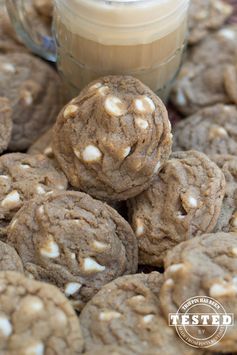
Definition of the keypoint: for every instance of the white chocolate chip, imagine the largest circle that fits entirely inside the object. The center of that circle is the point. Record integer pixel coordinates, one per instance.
(144, 105)
(192, 202)
(90, 265)
(220, 290)
(35, 349)
(8, 67)
(217, 132)
(99, 245)
(73, 256)
(109, 315)
(175, 267)
(91, 153)
(31, 305)
(227, 33)
(5, 326)
(50, 249)
(169, 282)
(41, 210)
(138, 298)
(114, 106)
(126, 152)
(71, 288)
(157, 167)
(4, 177)
(95, 86)
(139, 227)
(103, 91)
(140, 122)
(13, 223)
(148, 318)
(25, 166)
(11, 201)
(40, 190)
(27, 97)
(35, 304)
(48, 151)
(234, 251)
(70, 111)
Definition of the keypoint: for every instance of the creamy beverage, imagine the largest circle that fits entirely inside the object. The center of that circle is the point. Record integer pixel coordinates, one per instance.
(140, 38)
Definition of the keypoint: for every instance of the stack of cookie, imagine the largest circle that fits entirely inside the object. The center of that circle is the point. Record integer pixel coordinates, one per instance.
(104, 231)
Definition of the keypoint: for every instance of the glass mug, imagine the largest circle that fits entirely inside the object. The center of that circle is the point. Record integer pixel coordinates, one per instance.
(94, 38)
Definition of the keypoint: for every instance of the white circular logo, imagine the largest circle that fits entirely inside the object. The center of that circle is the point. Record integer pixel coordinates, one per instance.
(201, 321)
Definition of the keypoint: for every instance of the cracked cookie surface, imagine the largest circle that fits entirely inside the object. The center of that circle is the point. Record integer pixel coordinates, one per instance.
(211, 130)
(126, 313)
(209, 75)
(22, 177)
(36, 318)
(113, 138)
(184, 201)
(203, 266)
(5, 123)
(9, 259)
(74, 242)
(35, 94)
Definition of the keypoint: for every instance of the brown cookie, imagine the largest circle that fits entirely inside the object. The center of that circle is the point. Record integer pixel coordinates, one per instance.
(204, 266)
(227, 221)
(127, 313)
(36, 318)
(184, 201)
(112, 139)
(206, 16)
(5, 123)
(212, 130)
(9, 259)
(22, 177)
(74, 242)
(42, 145)
(35, 94)
(209, 76)
(109, 350)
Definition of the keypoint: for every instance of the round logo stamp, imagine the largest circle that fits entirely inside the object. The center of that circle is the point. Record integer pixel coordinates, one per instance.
(201, 321)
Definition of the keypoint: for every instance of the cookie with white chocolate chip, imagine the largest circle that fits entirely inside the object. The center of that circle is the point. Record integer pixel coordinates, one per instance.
(227, 221)
(36, 318)
(184, 201)
(126, 313)
(35, 94)
(73, 241)
(113, 138)
(206, 16)
(203, 266)
(209, 75)
(9, 259)
(212, 130)
(5, 123)
(22, 177)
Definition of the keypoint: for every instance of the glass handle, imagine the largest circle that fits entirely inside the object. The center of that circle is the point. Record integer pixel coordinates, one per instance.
(39, 43)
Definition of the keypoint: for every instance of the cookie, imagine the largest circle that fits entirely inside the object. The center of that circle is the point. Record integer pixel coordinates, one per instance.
(208, 76)
(184, 201)
(74, 242)
(35, 94)
(5, 123)
(206, 16)
(23, 177)
(36, 318)
(212, 131)
(227, 221)
(113, 138)
(127, 313)
(9, 259)
(203, 266)
(109, 350)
